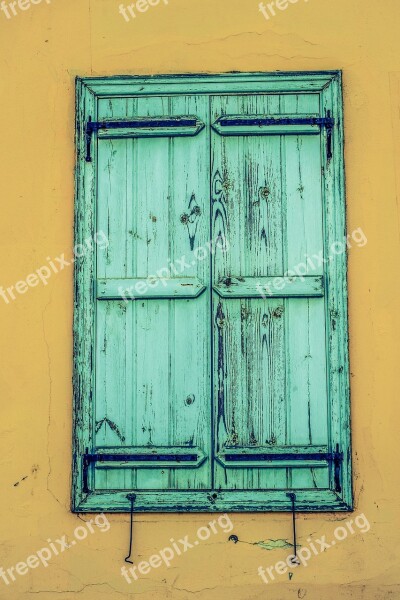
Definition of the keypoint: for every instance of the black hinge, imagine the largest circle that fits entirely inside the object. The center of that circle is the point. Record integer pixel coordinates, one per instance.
(138, 123)
(88, 135)
(262, 121)
(88, 459)
(259, 121)
(337, 464)
(335, 458)
(294, 456)
(329, 126)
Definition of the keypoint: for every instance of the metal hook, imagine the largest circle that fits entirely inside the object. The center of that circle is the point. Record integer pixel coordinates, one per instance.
(132, 498)
(233, 538)
(292, 496)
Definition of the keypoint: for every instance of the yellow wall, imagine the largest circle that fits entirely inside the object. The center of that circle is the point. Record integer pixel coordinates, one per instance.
(42, 50)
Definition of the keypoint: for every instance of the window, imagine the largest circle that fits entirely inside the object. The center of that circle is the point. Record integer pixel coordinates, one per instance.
(211, 360)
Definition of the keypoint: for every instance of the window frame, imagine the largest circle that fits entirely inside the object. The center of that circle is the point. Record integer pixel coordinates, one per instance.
(328, 84)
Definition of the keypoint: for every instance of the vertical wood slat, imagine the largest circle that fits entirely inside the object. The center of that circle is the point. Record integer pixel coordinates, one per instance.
(251, 336)
(114, 361)
(153, 384)
(166, 389)
(84, 307)
(305, 344)
(249, 386)
(337, 339)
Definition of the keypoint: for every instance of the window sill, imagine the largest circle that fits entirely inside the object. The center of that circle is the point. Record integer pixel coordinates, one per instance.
(211, 501)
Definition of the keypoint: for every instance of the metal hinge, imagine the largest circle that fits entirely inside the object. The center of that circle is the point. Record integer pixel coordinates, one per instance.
(337, 459)
(291, 459)
(329, 123)
(141, 458)
(186, 125)
(265, 124)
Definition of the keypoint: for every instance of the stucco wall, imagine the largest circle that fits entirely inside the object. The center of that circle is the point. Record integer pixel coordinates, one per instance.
(43, 48)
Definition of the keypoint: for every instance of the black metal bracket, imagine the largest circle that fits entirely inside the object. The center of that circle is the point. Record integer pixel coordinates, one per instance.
(329, 127)
(131, 497)
(89, 459)
(85, 471)
(279, 457)
(88, 135)
(337, 464)
(292, 496)
(264, 121)
(327, 121)
(140, 123)
(335, 458)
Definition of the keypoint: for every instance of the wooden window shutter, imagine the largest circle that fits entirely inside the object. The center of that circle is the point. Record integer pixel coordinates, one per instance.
(211, 364)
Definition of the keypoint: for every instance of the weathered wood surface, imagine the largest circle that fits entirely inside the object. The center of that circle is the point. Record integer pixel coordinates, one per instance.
(266, 287)
(269, 353)
(225, 366)
(153, 355)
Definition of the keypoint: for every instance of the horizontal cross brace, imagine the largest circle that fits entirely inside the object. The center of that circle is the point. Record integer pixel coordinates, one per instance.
(289, 456)
(284, 457)
(147, 289)
(270, 125)
(257, 120)
(163, 126)
(142, 457)
(270, 287)
(143, 123)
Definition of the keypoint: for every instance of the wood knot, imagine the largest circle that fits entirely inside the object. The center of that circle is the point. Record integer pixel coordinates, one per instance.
(264, 192)
(278, 312)
(196, 210)
(190, 399)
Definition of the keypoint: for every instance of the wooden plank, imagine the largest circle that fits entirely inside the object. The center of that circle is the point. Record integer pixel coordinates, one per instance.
(153, 390)
(265, 501)
(267, 124)
(129, 477)
(274, 287)
(189, 216)
(239, 83)
(112, 202)
(111, 392)
(271, 457)
(84, 305)
(306, 358)
(150, 127)
(337, 340)
(157, 333)
(248, 336)
(144, 454)
(140, 289)
(279, 337)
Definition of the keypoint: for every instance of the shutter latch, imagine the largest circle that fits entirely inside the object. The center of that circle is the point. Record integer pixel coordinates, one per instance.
(88, 134)
(87, 459)
(131, 498)
(337, 459)
(292, 496)
(329, 122)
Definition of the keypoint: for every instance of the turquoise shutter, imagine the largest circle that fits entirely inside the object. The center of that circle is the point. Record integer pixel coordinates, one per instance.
(270, 385)
(211, 361)
(152, 347)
